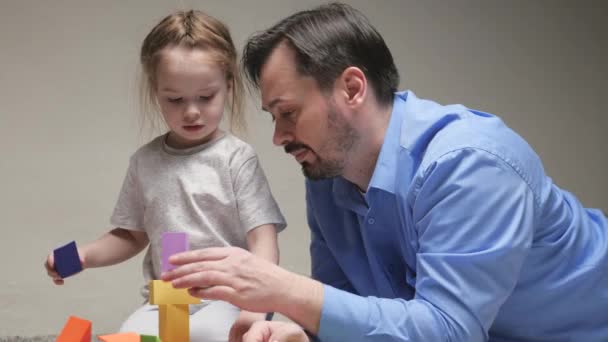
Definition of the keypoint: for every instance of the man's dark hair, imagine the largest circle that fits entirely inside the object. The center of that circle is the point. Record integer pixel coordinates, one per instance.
(327, 40)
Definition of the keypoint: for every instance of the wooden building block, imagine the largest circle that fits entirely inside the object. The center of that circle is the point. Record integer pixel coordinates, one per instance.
(172, 243)
(148, 338)
(75, 330)
(162, 292)
(66, 259)
(122, 337)
(174, 322)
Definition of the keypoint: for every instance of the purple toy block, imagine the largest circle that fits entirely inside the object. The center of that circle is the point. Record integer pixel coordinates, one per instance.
(172, 243)
(67, 261)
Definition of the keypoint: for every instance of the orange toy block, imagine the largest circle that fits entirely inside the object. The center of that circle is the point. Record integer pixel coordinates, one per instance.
(75, 330)
(174, 322)
(122, 337)
(162, 292)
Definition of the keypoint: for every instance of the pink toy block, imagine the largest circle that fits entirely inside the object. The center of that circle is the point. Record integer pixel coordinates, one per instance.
(172, 243)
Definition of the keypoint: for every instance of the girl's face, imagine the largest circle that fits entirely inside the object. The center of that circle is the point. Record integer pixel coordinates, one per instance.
(191, 90)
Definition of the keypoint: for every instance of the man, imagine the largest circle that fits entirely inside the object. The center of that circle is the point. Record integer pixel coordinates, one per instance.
(429, 222)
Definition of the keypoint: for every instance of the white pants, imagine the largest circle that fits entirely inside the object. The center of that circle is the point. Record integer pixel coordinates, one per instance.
(210, 321)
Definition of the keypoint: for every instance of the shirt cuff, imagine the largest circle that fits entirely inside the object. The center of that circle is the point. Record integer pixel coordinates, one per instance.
(343, 316)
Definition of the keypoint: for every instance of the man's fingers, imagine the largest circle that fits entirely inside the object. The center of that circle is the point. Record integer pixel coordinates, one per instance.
(202, 279)
(206, 254)
(192, 269)
(218, 292)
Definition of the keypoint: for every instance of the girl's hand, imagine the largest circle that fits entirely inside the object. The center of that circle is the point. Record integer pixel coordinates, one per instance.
(242, 325)
(50, 268)
(275, 332)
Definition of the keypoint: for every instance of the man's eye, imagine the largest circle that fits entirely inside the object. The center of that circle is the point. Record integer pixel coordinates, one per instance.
(286, 114)
(174, 99)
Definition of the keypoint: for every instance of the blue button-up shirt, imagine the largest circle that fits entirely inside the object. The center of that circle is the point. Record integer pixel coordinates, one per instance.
(460, 237)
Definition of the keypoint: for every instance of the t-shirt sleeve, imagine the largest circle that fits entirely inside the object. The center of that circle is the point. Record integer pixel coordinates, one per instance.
(129, 210)
(256, 205)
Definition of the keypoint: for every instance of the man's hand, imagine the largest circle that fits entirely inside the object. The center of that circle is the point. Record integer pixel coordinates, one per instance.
(231, 274)
(265, 331)
(243, 324)
(248, 281)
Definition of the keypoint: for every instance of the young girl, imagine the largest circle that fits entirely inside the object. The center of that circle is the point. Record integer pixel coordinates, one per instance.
(195, 178)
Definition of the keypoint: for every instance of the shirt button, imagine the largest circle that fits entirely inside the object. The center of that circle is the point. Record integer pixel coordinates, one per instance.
(371, 220)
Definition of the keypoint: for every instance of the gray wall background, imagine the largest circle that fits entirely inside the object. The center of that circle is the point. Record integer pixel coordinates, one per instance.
(68, 119)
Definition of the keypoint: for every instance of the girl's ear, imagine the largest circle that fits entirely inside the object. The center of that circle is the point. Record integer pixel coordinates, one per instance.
(230, 82)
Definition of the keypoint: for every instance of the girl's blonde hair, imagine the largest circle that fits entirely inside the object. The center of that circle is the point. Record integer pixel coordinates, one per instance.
(193, 29)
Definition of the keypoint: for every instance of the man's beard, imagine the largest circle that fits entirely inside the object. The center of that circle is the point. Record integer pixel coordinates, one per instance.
(338, 145)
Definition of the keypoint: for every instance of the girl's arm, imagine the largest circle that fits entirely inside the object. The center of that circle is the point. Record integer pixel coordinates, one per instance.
(111, 248)
(261, 241)
(114, 247)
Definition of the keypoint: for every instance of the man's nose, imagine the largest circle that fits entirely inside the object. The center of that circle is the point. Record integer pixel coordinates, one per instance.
(282, 136)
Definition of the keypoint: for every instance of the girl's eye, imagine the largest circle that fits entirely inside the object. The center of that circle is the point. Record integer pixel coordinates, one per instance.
(174, 99)
(205, 98)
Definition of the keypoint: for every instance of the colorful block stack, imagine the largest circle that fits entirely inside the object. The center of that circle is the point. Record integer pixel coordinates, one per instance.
(173, 304)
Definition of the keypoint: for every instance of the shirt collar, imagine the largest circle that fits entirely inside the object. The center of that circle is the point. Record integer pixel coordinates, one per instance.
(412, 125)
(383, 176)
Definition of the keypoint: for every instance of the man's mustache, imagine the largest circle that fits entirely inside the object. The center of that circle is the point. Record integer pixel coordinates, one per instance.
(294, 146)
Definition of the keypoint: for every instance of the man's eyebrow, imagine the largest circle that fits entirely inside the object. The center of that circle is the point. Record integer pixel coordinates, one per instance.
(272, 104)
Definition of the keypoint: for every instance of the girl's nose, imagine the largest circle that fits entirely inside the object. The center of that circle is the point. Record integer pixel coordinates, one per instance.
(192, 112)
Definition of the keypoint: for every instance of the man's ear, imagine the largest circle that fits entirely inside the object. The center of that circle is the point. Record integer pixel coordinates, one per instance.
(352, 86)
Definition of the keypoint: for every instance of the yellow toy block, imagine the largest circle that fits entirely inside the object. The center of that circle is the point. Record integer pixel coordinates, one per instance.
(122, 337)
(174, 322)
(162, 292)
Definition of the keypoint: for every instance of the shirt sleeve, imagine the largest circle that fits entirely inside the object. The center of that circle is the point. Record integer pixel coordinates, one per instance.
(129, 210)
(324, 267)
(474, 215)
(254, 200)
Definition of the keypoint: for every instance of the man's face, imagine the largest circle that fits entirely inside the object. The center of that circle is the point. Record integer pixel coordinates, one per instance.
(308, 124)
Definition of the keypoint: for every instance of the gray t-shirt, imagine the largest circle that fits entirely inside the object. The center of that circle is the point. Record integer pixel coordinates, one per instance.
(216, 192)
